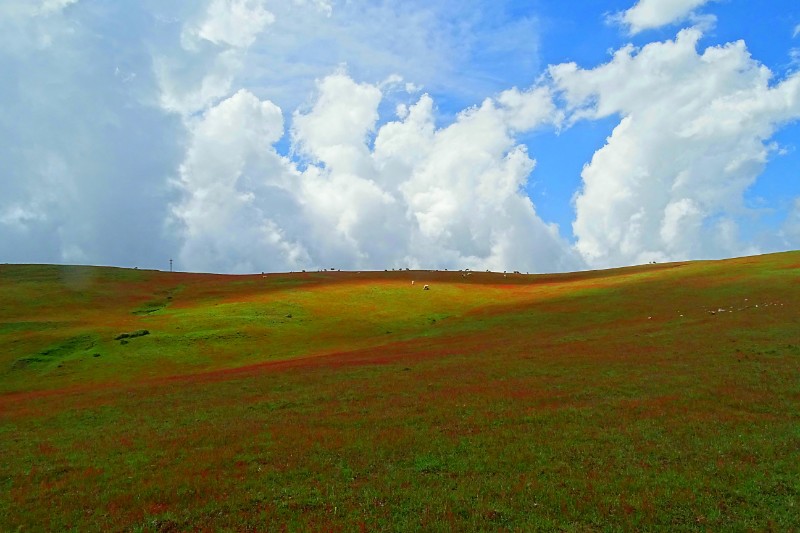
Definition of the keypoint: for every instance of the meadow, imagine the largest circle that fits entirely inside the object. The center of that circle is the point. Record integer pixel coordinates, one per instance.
(658, 397)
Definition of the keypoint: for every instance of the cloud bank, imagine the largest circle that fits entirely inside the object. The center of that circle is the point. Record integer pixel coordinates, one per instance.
(149, 130)
(694, 136)
(405, 194)
(86, 154)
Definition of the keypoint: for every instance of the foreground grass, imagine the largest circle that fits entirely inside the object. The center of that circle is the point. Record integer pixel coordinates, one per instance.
(596, 401)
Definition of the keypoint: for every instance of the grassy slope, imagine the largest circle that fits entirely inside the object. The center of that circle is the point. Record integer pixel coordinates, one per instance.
(585, 401)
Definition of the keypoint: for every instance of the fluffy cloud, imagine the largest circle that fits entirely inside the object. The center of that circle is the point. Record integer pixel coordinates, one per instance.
(213, 45)
(649, 14)
(694, 135)
(403, 194)
(334, 131)
(239, 191)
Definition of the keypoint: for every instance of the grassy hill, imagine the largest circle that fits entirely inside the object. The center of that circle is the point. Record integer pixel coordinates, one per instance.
(655, 397)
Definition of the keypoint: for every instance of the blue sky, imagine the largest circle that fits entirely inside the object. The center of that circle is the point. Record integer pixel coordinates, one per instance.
(251, 135)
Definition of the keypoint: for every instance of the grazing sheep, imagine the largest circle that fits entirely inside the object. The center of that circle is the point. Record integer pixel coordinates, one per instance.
(426, 288)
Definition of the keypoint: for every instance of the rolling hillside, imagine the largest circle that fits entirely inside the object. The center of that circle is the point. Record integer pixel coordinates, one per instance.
(662, 396)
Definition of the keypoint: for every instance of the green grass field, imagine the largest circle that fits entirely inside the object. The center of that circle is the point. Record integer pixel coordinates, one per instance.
(661, 397)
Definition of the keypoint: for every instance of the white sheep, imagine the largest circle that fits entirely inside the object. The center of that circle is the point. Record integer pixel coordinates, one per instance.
(426, 288)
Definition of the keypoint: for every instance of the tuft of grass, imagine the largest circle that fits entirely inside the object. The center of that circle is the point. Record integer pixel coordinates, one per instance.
(132, 334)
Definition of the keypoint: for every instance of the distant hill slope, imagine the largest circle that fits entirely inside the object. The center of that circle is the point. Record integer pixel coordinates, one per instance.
(658, 396)
(59, 324)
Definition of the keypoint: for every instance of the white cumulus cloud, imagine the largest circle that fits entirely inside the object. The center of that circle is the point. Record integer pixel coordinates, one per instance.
(694, 134)
(239, 190)
(649, 14)
(403, 194)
